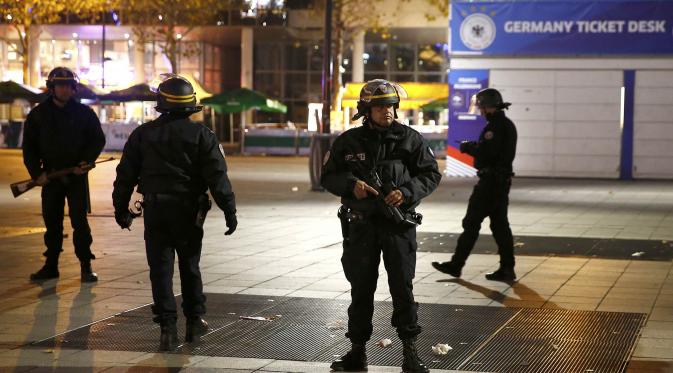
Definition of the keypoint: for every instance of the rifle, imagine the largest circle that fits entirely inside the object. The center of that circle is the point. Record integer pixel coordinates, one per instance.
(21, 187)
(390, 212)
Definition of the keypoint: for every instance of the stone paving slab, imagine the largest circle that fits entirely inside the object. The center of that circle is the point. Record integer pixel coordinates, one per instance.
(297, 230)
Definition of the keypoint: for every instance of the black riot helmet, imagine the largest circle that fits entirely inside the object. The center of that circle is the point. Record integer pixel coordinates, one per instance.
(379, 92)
(62, 76)
(490, 98)
(175, 94)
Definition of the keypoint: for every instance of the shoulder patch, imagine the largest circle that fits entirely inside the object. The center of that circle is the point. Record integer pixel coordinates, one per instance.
(488, 135)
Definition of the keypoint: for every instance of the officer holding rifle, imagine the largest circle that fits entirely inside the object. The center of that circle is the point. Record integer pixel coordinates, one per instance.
(61, 133)
(381, 171)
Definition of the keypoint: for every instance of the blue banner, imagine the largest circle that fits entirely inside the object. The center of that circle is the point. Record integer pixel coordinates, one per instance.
(572, 27)
(463, 84)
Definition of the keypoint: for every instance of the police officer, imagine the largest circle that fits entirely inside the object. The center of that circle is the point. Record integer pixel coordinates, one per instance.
(63, 133)
(493, 156)
(174, 161)
(408, 172)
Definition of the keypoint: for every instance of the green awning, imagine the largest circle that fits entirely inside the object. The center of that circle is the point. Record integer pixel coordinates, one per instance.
(436, 105)
(242, 99)
(10, 90)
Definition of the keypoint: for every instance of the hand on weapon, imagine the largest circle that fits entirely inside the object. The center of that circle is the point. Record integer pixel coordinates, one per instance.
(390, 211)
(232, 223)
(125, 218)
(361, 190)
(395, 198)
(82, 168)
(467, 146)
(21, 187)
(42, 179)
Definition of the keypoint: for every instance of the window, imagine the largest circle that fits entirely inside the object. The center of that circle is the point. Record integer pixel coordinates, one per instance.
(402, 57)
(268, 84)
(402, 77)
(315, 57)
(295, 56)
(267, 57)
(430, 78)
(315, 87)
(376, 57)
(431, 57)
(296, 86)
(297, 111)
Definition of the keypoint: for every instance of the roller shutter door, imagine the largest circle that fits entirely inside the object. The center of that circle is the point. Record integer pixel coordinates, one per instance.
(568, 120)
(653, 125)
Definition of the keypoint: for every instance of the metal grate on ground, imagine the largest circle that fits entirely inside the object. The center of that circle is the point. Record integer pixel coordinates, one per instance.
(485, 339)
(552, 340)
(607, 248)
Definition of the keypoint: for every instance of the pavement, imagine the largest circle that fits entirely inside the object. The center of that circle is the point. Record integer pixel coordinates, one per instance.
(287, 244)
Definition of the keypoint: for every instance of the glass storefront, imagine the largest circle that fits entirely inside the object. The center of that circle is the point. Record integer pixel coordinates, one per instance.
(292, 71)
(85, 57)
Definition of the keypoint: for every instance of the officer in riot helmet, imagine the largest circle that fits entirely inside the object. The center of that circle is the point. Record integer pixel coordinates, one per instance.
(381, 170)
(174, 161)
(493, 156)
(61, 133)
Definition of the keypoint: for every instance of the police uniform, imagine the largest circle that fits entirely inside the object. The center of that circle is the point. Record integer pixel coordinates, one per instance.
(174, 161)
(493, 156)
(404, 161)
(56, 138)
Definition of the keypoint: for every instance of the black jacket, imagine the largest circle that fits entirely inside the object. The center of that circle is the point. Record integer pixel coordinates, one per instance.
(496, 147)
(399, 154)
(55, 138)
(173, 155)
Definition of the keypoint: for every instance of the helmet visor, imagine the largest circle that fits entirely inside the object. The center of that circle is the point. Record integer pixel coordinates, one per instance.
(154, 83)
(474, 108)
(398, 91)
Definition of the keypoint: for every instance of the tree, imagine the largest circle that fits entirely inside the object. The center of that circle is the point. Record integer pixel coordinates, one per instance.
(167, 22)
(351, 17)
(26, 15)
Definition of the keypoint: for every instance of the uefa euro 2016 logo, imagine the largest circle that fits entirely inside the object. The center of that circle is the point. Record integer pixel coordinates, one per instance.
(477, 31)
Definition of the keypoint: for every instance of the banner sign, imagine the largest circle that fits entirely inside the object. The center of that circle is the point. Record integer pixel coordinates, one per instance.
(572, 27)
(463, 84)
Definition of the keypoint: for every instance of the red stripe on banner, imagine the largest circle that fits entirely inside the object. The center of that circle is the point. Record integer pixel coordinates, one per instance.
(456, 154)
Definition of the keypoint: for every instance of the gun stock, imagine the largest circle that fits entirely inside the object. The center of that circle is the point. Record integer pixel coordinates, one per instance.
(21, 187)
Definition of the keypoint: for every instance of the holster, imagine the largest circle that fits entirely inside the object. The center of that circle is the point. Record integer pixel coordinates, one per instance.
(341, 214)
(203, 204)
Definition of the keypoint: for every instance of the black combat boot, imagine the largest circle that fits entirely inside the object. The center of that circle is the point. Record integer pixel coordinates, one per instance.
(504, 274)
(412, 363)
(449, 267)
(87, 274)
(169, 336)
(355, 360)
(196, 327)
(47, 272)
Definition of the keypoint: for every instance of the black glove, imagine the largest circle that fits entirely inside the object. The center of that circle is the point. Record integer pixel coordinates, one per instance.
(467, 146)
(232, 223)
(124, 219)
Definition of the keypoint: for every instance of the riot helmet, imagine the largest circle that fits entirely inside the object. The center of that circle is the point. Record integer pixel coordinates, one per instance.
(379, 92)
(175, 94)
(488, 98)
(62, 76)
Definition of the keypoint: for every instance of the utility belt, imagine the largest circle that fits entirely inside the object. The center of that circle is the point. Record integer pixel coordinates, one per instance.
(497, 172)
(201, 201)
(348, 216)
